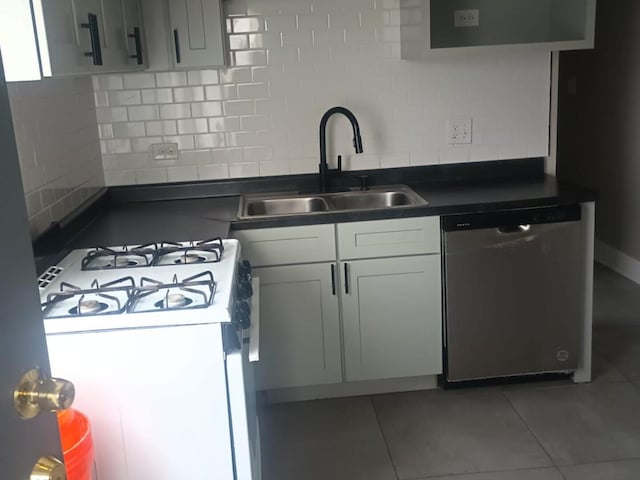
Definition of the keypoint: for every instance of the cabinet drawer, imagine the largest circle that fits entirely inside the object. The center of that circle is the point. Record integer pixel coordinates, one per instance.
(288, 245)
(389, 238)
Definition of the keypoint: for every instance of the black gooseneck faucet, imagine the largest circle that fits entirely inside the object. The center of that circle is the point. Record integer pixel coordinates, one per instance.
(357, 141)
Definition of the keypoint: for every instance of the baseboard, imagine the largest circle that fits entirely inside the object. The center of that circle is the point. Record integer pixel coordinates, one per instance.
(351, 389)
(619, 261)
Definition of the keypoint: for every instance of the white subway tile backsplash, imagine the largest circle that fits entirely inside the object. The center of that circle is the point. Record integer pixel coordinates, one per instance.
(119, 145)
(182, 174)
(171, 79)
(294, 59)
(151, 175)
(235, 75)
(244, 170)
(210, 140)
(143, 112)
(124, 97)
(240, 107)
(203, 77)
(185, 142)
(188, 94)
(206, 109)
(163, 127)
(107, 115)
(128, 130)
(195, 157)
(175, 111)
(157, 96)
(213, 172)
(139, 80)
(193, 125)
(128, 161)
(221, 92)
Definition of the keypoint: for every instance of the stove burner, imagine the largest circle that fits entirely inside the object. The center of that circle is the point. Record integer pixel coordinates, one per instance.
(121, 262)
(174, 300)
(188, 258)
(88, 307)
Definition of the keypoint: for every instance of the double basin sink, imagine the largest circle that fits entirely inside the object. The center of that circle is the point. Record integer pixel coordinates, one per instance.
(267, 205)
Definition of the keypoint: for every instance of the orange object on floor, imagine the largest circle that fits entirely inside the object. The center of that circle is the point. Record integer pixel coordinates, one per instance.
(77, 444)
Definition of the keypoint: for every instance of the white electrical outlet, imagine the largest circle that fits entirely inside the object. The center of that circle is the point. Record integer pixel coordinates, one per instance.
(466, 18)
(164, 151)
(459, 131)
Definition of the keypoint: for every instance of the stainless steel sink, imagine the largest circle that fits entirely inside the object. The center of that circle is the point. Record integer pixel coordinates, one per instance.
(279, 204)
(285, 206)
(369, 200)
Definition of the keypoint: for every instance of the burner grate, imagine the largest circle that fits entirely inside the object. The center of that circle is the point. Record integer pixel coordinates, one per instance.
(208, 251)
(72, 301)
(193, 292)
(103, 258)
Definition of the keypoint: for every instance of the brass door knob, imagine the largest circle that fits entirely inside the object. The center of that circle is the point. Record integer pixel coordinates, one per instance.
(48, 468)
(36, 393)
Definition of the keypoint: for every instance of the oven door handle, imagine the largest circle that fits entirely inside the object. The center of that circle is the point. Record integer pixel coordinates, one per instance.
(254, 330)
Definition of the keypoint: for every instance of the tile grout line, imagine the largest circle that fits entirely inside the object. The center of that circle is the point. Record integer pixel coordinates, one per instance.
(384, 438)
(506, 397)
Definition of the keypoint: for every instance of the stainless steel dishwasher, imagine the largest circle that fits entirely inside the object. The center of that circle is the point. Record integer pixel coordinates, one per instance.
(513, 292)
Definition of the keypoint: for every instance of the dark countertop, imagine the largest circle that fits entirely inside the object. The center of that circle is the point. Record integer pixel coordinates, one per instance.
(204, 210)
(448, 199)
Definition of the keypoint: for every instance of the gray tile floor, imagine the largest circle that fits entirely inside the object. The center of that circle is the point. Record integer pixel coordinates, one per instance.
(543, 431)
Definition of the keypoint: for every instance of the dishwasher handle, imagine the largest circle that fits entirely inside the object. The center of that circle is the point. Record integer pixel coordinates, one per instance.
(511, 229)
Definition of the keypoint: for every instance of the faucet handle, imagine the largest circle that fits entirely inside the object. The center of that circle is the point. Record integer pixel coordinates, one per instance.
(339, 163)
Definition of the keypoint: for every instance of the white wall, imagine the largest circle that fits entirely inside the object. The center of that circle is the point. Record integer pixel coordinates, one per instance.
(58, 146)
(294, 59)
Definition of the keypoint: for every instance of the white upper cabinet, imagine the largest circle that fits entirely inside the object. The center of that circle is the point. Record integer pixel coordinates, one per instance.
(185, 34)
(429, 27)
(70, 37)
(134, 33)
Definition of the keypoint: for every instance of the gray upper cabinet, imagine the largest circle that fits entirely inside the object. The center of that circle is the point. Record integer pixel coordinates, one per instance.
(430, 27)
(184, 34)
(69, 37)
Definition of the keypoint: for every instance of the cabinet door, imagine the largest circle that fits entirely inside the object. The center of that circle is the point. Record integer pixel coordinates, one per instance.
(114, 44)
(299, 327)
(134, 41)
(63, 41)
(197, 33)
(391, 314)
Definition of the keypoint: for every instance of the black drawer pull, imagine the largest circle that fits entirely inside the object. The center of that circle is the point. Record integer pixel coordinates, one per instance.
(333, 279)
(138, 40)
(346, 278)
(94, 34)
(176, 41)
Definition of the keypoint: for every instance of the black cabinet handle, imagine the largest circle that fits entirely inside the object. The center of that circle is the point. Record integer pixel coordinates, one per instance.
(138, 39)
(94, 34)
(333, 279)
(176, 41)
(346, 278)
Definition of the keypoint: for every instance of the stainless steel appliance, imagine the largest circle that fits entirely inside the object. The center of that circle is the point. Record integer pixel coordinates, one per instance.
(513, 296)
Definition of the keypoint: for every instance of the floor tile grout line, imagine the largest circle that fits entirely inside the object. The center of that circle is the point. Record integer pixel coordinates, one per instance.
(484, 472)
(384, 438)
(539, 442)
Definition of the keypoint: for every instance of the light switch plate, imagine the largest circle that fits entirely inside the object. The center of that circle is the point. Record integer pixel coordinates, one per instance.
(466, 18)
(459, 131)
(164, 151)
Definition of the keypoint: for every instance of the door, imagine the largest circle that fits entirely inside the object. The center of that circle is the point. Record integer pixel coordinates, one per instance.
(115, 45)
(133, 33)
(22, 340)
(514, 296)
(63, 40)
(391, 315)
(197, 33)
(299, 327)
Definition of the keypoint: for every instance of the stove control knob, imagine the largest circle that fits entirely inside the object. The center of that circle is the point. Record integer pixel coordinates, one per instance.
(244, 270)
(243, 313)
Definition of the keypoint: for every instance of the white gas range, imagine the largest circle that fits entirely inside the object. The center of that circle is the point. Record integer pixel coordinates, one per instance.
(157, 340)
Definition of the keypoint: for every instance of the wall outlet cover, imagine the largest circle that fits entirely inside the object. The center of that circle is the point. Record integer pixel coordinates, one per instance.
(164, 151)
(459, 131)
(466, 18)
